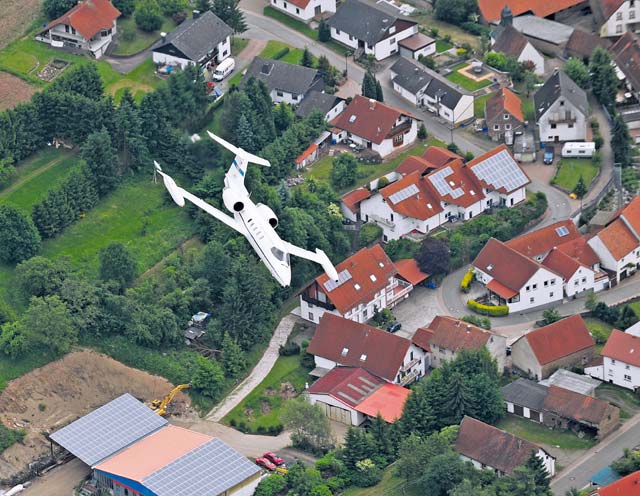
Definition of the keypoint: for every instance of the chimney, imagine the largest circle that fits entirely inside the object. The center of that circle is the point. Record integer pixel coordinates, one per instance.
(163, 36)
(506, 17)
(372, 103)
(195, 14)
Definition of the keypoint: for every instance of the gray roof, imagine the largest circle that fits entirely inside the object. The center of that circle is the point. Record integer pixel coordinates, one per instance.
(573, 382)
(108, 429)
(278, 75)
(316, 100)
(197, 38)
(543, 29)
(524, 392)
(560, 85)
(212, 468)
(524, 143)
(362, 21)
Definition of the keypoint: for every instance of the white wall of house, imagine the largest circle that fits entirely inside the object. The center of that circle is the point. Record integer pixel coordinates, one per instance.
(609, 262)
(619, 22)
(620, 373)
(406, 94)
(224, 49)
(381, 50)
(563, 131)
(530, 53)
(548, 461)
(496, 345)
(337, 410)
(580, 282)
(314, 313)
(543, 288)
(67, 34)
(308, 13)
(278, 96)
(393, 224)
(462, 112)
(335, 111)
(347, 213)
(166, 59)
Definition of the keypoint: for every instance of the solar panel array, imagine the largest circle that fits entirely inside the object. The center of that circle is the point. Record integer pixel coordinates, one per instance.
(404, 193)
(343, 277)
(210, 469)
(501, 171)
(108, 429)
(562, 231)
(439, 180)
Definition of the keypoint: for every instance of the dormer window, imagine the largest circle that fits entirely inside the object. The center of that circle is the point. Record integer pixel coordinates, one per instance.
(344, 352)
(363, 357)
(357, 286)
(373, 278)
(380, 264)
(392, 29)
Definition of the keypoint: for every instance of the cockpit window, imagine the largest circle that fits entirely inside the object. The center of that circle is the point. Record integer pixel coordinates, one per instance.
(279, 254)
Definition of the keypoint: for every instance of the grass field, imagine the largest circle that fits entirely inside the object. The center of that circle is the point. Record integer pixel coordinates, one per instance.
(274, 47)
(635, 306)
(538, 433)
(238, 44)
(141, 39)
(597, 324)
(443, 46)
(570, 170)
(290, 22)
(464, 81)
(478, 105)
(390, 485)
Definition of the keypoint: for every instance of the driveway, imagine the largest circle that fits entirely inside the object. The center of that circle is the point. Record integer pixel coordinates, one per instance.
(418, 310)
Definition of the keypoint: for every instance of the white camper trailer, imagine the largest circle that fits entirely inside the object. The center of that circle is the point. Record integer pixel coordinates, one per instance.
(579, 149)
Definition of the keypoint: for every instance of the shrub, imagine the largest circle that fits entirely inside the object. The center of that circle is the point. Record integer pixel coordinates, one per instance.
(179, 17)
(599, 335)
(422, 132)
(469, 156)
(428, 61)
(369, 233)
(275, 430)
(434, 32)
(233, 422)
(289, 349)
(475, 28)
(336, 484)
(491, 310)
(466, 281)
(461, 52)
(382, 182)
(598, 141)
(447, 38)
(483, 322)
(281, 53)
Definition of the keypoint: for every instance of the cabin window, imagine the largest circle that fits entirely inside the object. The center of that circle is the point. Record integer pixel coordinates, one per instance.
(279, 254)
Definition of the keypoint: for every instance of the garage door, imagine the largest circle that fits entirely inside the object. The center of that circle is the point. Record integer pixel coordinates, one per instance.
(535, 415)
(335, 413)
(517, 409)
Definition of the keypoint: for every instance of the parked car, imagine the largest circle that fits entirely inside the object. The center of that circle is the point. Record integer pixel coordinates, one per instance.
(223, 69)
(273, 458)
(549, 155)
(263, 462)
(396, 326)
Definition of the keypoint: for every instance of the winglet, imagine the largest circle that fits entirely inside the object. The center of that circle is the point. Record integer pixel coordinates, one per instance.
(327, 265)
(239, 151)
(171, 186)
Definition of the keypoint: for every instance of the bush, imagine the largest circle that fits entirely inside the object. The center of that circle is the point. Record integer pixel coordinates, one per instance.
(422, 132)
(275, 430)
(600, 336)
(9, 437)
(475, 28)
(148, 16)
(336, 484)
(369, 233)
(289, 349)
(466, 281)
(461, 52)
(434, 32)
(127, 33)
(281, 53)
(482, 322)
(367, 473)
(446, 38)
(179, 17)
(491, 310)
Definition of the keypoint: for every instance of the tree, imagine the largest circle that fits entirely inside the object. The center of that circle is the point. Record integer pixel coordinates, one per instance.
(591, 301)
(102, 161)
(443, 473)
(56, 8)
(433, 257)
(369, 85)
(81, 80)
(530, 81)
(126, 7)
(580, 189)
(327, 71)
(39, 276)
(117, 264)
(358, 445)
(283, 117)
(271, 486)
(244, 137)
(230, 13)
(208, 377)
(379, 95)
(550, 316)
(455, 11)
(621, 141)
(540, 475)
(309, 425)
(344, 171)
(148, 15)
(627, 318)
(129, 139)
(19, 238)
(172, 7)
(422, 132)
(233, 358)
(604, 82)
(578, 71)
(324, 31)
(307, 58)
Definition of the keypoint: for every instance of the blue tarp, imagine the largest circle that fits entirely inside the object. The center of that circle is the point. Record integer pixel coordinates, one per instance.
(605, 477)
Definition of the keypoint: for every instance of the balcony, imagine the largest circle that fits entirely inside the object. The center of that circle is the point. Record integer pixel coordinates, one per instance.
(322, 304)
(561, 118)
(408, 379)
(400, 128)
(380, 220)
(398, 290)
(411, 364)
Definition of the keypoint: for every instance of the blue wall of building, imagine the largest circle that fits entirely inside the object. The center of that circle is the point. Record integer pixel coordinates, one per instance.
(128, 483)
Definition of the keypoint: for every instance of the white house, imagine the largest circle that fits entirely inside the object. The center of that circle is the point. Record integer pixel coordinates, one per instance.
(615, 17)
(424, 87)
(368, 30)
(90, 25)
(561, 109)
(342, 342)
(621, 362)
(304, 10)
(375, 125)
(489, 447)
(416, 46)
(329, 105)
(202, 40)
(508, 40)
(515, 280)
(578, 279)
(367, 281)
(350, 203)
(352, 395)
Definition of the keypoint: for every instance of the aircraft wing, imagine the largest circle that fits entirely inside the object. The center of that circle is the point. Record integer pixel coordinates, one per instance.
(213, 211)
(318, 256)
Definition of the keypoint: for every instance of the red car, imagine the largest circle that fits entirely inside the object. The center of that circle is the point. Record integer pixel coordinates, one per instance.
(273, 458)
(263, 462)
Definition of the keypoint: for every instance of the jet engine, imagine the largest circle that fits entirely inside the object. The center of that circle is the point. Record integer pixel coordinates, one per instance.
(234, 203)
(268, 214)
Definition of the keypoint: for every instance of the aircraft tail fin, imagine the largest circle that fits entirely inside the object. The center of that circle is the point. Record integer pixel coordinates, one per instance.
(245, 156)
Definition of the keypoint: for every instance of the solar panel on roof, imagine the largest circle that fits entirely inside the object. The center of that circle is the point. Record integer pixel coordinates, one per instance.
(108, 429)
(210, 469)
(343, 277)
(500, 171)
(404, 193)
(439, 180)
(562, 231)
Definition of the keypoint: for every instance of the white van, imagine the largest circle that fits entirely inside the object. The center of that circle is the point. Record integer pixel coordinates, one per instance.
(224, 68)
(579, 149)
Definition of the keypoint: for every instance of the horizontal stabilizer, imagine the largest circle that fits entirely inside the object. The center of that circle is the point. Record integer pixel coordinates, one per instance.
(248, 157)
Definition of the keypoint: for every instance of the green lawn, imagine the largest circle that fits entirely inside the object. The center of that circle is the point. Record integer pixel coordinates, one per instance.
(570, 170)
(261, 408)
(478, 105)
(238, 44)
(443, 46)
(538, 433)
(465, 82)
(141, 39)
(528, 108)
(635, 306)
(597, 324)
(273, 48)
(290, 22)
(390, 485)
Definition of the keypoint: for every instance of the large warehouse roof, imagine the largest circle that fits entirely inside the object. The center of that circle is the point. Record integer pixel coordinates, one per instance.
(108, 429)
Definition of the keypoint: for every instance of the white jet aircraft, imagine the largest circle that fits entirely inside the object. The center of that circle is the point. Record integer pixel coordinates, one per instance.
(257, 223)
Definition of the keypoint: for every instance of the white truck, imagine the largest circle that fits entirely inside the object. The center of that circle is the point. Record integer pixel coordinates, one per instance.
(224, 68)
(578, 149)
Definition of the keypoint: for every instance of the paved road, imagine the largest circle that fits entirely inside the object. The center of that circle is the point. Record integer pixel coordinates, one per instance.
(578, 473)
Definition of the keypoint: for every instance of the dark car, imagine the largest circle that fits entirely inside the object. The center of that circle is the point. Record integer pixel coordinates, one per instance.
(273, 458)
(549, 155)
(396, 326)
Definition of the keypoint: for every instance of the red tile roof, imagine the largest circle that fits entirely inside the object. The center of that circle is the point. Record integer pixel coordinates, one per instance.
(439, 156)
(369, 119)
(455, 335)
(543, 240)
(560, 339)
(346, 384)
(460, 177)
(491, 9)
(300, 3)
(627, 486)
(512, 168)
(491, 446)
(580, 250)
(312, 148)
(409, 270)
(631, 214)
(509, 267)
(382, 351)
(618, 239)
(581, 44)
(504, 100)
(622, 347)
(415, 164)
(352, 199)
(88, 17)
(561, 263)
(422, 205)
(361, 265)
(422, 338)
(500, 289)
(576, 406)
(388, 401)
(609, 7)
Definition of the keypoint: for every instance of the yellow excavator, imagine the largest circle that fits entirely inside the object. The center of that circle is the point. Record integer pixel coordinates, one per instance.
(160, 406)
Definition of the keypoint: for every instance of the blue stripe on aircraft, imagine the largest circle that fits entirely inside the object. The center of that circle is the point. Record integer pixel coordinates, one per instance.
(238, 167)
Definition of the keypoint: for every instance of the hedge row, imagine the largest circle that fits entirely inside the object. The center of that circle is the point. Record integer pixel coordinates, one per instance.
(466, 281)
(493, 311)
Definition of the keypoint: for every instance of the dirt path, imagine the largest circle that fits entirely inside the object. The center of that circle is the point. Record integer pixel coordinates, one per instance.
(29, 177)
(61, 481)
(190, 243)
(259, 372)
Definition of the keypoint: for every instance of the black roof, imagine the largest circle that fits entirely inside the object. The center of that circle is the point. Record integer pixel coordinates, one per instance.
(315, 100)
(197, 38)
(278, 75)
(362, 21)
(560, 85)
(524, 392)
